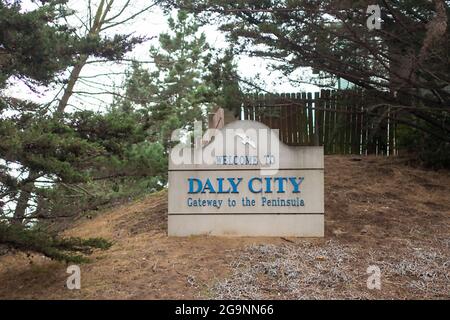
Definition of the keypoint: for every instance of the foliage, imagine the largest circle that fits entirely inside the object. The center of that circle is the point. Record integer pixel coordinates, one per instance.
(63, 249)
(37, 44)
(428, 150)
(46, 159)
(185, 83)
(59, 164)
(86, 147)
(407, 58)
(225, 81)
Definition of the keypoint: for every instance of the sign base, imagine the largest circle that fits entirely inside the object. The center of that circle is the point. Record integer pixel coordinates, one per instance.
(253, 225)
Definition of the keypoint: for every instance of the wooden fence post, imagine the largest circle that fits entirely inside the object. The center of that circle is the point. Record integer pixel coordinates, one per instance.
(337, 119)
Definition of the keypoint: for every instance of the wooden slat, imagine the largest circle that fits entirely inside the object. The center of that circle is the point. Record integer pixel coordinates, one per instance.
(260, 109)
(289, 128)
(343, 122)
(294, 116)
(317, 119)
(327, 114)
(390, 133)
(290, 131)
(291, 120)
(354, 134)
(331, 136)
(335, 119)
(246, 110)
(359, 132)
(297, 117)
(365, 129)
(310, 119)
(348, 124)
(341, 114)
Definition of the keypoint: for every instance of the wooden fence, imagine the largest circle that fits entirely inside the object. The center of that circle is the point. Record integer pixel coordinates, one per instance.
(344, 122)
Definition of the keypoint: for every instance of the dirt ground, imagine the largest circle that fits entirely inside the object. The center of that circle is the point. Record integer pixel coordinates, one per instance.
(378, 212)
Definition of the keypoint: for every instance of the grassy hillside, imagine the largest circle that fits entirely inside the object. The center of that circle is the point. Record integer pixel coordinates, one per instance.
(378, 212)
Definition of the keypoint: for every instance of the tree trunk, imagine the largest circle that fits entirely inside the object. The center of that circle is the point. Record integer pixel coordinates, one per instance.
(99, 19)
(24, 198)
(74, 75)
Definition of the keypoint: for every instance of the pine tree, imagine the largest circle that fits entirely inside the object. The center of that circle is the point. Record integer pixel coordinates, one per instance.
(404, 64)
(42, 154)
(225, 80)
(176, 92)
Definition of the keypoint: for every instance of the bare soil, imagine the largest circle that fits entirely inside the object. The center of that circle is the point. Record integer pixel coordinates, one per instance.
(378, 212)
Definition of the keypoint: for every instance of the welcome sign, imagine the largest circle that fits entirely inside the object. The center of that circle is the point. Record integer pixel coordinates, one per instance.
(245, 182)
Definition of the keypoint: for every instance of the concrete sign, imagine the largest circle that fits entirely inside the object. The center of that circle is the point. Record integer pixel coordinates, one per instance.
(245, 182)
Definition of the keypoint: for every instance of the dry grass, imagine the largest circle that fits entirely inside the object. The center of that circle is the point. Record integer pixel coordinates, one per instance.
(377, 212)
(333, 271)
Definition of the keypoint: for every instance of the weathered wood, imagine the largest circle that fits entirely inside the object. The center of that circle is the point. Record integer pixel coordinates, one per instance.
(327, 103)
(317, 117)
(359, 115)
(294, 107)
(341, 120)
(295, 120)
(310, 119)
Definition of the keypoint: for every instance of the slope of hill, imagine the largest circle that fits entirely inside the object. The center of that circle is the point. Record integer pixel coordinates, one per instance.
(378, 212)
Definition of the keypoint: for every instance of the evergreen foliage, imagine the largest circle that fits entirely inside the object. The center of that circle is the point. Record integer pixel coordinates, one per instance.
(404, 64)
(45, 160)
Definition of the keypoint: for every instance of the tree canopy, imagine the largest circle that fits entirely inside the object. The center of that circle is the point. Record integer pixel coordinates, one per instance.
(57, 164)
(405, 62)
(44, 153)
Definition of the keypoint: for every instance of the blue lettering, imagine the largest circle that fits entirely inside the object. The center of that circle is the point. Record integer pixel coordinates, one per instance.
(191, 185)
(220, 189)
(280, 184)
(296, 184)
(208, 186)
(250, 185)
(234, 185)
(268, 185)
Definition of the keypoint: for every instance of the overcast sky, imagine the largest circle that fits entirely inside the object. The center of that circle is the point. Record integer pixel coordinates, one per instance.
(149, 24)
